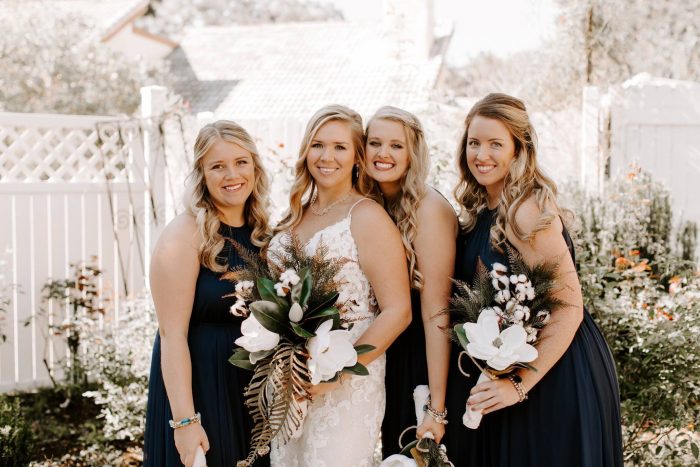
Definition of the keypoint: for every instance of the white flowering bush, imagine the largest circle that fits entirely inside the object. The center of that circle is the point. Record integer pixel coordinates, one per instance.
(639, 281)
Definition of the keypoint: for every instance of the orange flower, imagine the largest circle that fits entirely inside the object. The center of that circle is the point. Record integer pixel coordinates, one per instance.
(642, 266)
(634, 252)
(622, 263)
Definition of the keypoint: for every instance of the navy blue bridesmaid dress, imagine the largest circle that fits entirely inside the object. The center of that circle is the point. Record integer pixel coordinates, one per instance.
(406, 368)
(217, 386)
(571, 417)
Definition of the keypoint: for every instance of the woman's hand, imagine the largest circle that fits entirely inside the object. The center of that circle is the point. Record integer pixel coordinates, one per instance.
(490, 396)
(187, 439)
(323, 388)
(430, 425)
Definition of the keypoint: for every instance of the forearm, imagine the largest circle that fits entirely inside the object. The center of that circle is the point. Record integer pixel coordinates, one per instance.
(387, 326)
(437, 353)
(177, 375)
(556, 339)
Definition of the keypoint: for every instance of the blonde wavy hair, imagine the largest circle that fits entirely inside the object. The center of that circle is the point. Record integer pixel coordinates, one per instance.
(304, 186)
(198, 201)
(404, 208)
(524, 179)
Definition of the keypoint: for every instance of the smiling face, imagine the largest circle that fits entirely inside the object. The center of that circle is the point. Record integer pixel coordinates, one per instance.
(331, 156)
(490, 153)
(386, 151)
(229, 173)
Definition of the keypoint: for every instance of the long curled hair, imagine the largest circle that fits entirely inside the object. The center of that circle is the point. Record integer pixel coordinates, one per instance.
(404, 208)
(524, 179)
(199, 202)
(304, 186)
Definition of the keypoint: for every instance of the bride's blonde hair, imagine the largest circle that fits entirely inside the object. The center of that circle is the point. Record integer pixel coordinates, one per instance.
(524, 179)
(404, 208)
(199, 203)
(304, 186)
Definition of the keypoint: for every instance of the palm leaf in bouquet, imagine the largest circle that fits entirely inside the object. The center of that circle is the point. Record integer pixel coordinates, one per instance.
(294, 336)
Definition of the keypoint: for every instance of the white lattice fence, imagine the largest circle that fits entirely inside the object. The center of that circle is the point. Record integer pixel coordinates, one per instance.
(71, 187)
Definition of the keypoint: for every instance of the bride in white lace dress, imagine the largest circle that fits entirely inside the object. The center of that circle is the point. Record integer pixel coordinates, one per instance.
(327, 205)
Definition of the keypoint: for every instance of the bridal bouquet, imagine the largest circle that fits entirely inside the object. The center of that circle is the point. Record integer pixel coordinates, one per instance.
(293, 337)
(497, 320)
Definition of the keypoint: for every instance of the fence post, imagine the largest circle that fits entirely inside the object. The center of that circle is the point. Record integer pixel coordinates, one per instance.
(153, 101)
(591, 158)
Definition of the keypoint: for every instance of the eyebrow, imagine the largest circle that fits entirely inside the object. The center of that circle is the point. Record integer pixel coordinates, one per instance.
(492, 139)
(335, 142)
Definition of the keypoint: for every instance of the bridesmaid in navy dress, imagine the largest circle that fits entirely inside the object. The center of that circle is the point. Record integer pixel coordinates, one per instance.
(398, 162)
(571, 413)
(190, 373)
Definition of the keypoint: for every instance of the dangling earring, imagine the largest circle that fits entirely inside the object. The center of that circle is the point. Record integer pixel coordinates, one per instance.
(357, 171)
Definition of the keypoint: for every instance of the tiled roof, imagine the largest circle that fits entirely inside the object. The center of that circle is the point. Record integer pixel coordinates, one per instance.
(292, 69)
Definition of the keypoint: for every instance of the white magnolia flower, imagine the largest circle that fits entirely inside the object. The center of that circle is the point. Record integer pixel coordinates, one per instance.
(289, 277)
(397, 460)
(239, 308)
(244, 287)
(499, 349)
(329, 352)
(281, 289)
(255, 337)
(296, 313)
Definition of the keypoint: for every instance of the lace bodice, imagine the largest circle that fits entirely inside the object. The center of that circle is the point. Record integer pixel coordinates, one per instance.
(342, 427)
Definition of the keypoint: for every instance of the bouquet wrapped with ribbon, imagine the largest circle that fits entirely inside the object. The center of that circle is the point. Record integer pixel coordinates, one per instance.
(497, 321)
(293, 337)
(424, 452)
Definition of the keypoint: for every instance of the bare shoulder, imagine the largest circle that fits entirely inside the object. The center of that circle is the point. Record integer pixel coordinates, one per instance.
(435, 210)
(528, 215)
(367, 211)
(182, 233)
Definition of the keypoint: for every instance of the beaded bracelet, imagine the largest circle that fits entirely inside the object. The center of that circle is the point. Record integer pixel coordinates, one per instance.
(522, 395)
(439, 417)
(196, 418)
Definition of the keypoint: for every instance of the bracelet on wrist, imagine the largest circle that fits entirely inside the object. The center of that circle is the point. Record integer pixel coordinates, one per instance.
(515, 381)
(439, 417)
(196, 418)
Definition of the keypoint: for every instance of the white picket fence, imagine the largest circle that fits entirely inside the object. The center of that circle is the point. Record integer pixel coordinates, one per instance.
(72, 188)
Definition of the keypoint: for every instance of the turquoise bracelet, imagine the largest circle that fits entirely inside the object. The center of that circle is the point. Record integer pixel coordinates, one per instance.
(197, 418)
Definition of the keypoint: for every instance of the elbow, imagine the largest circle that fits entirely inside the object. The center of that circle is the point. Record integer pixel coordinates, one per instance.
(407, 318)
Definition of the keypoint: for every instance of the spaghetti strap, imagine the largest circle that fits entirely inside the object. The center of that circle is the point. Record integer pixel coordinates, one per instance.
(356, 203)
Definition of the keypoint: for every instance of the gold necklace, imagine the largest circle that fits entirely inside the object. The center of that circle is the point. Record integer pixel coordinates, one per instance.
(324, 211)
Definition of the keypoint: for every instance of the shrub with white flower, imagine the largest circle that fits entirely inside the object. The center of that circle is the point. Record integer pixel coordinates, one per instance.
(497, 320)
(294, 336)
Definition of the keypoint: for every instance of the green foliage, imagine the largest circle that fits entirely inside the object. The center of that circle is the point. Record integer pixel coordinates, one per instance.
(645, 297)
(55, 63)
(15, 437)
(84, 304)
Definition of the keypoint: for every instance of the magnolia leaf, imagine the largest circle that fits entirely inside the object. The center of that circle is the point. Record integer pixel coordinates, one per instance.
(364, 348)
(270, 315)
(266, 289)
(241, 359)
(461, 336)
(302, 290)
(356, 369)
(326, 302)
(301, 332)
(330, 311)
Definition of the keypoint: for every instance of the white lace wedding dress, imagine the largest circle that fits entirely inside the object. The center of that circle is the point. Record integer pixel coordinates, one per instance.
(342, 427)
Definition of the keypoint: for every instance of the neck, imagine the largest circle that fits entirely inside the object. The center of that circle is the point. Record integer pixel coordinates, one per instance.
(326, 196)
(390, 190)
(493, 194)
(232, 216)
